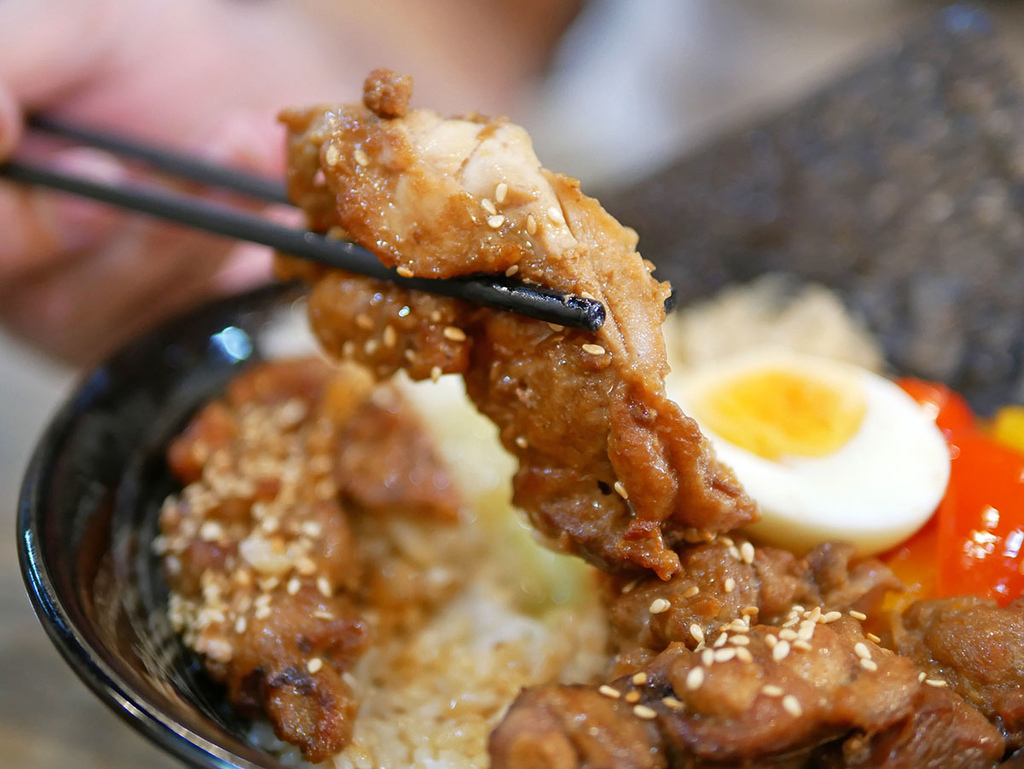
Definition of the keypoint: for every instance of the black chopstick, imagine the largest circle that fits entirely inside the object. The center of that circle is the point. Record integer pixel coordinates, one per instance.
(185, 166)
(497, 292)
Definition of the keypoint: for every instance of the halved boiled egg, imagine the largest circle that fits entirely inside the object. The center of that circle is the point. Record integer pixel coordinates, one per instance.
(829, 451)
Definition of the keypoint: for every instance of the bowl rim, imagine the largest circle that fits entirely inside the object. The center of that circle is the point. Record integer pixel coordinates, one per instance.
(51, 609)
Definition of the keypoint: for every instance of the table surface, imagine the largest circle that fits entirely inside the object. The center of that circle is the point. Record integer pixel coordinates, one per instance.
(47, 717)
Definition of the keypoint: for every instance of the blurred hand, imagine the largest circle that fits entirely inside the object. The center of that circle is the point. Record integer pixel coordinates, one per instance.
(206, 76)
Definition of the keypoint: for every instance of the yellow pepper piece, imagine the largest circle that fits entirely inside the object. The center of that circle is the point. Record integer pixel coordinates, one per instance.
(1008, 427)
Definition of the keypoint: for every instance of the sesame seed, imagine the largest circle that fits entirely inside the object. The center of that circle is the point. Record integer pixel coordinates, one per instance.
(323, 586)
(814, 614)
(872, 637)
(697, 632)
(531, 225)
(332, 155)
(672, 703)
(500, 192)
(659, 606)
(593, 349)
(632, 697)
(314, 665)
(240, 625)
(861, 650)
(921, 676)
(725, 654)
(730, 584)
(690, 592)
(938, 683)
(405, 272)
(211, 531)
(364, 321)
(555, 215)
(262, 612)
(770, 641)
(639, 679)
(743, 654)
(556, 327)
(360, 157)
(494, 222)
(707, 657)
(620, 490)
(511, 270)
(644, 712)
(390, 336)
(781, 651)
(521, 442)
(608, 691)
(771, 690)
(435, 373)
(802, 646)
(740, 640)
(870, 665)
(312, 528)
(747, 552)
(788, 634)
(735, 552)
(858, 615)
(371, 346)
(321, 614)
(293, 586)
(488, 206)
(629, 588)
(831, 616)
(749, 611)
(806, 630)
(454, 334)
(792, 706)
(695, 678)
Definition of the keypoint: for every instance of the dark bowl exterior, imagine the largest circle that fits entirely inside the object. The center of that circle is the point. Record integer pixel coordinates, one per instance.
(88, 510)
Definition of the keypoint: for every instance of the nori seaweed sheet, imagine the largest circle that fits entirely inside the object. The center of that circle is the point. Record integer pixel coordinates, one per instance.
(900, 186)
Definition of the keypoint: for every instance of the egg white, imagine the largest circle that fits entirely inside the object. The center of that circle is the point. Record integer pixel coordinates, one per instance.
(875, 491)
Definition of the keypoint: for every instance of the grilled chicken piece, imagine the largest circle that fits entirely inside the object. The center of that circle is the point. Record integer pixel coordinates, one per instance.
(976, 647)
(609, 467)
(278, 550)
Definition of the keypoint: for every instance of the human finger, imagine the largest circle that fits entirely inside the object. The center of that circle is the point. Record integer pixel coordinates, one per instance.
(43, 227)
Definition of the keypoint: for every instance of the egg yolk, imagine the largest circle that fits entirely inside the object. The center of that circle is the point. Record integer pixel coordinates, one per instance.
(773, 412)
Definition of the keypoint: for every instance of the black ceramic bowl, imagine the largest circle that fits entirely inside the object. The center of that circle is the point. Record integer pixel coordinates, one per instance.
(89, 507)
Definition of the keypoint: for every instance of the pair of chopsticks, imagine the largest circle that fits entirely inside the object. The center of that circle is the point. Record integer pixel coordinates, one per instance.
(498, 292)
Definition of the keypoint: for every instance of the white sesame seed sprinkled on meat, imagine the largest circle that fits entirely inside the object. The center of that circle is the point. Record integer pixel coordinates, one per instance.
(792, 706)
(454, 334)
(659, 606)
(781, 651)
(747, 552)
(695, 678)
(697, 633)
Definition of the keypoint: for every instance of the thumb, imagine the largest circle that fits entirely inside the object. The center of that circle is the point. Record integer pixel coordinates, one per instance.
(43, 228)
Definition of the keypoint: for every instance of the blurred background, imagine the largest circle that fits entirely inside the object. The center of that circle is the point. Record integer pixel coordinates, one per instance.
(628, 87)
